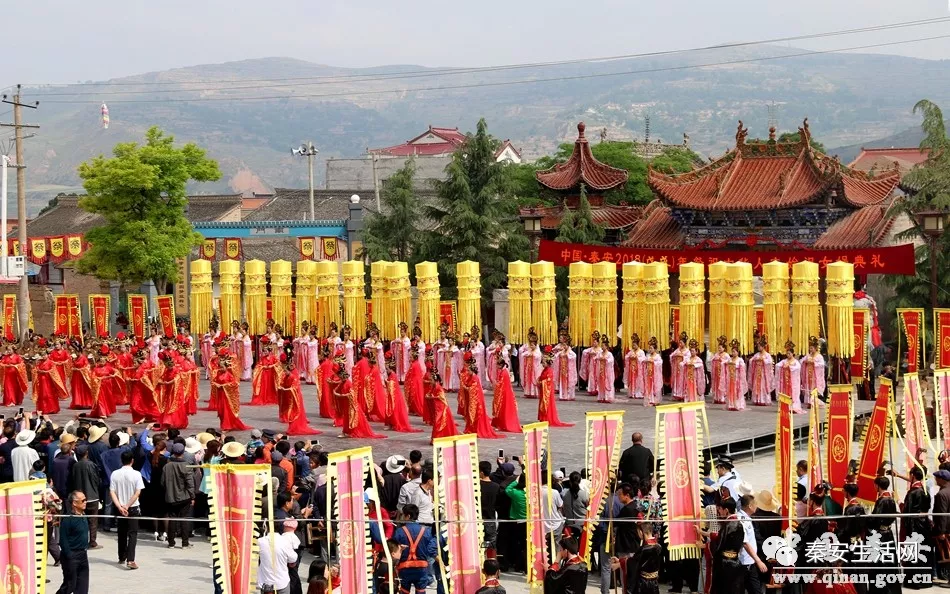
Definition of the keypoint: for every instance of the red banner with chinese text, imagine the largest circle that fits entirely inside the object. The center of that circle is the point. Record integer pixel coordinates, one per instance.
(675, 319)
(458, 504)
(234, 503)
(347, 474)
(100, 314)
(603, 438)
(838, 438)
(759, 319)
(9, 317)
(208, 249)
(942, 339)
(535, 443)
(75, 245)
(448, 314)
(784, 464)
(912, 322)
(166, 314)
(68, 321)
(306, 245)
(269, 308)
(859, 360)
(897, 259)
(680, 428)
(874, 443)
(232, 248)
(138, 312)
(57, 249)
(38, 254)
(330, 248)
(23, 547)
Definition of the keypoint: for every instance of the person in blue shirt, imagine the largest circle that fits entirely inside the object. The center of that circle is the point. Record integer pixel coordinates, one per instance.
(112, 461)
(419, 549)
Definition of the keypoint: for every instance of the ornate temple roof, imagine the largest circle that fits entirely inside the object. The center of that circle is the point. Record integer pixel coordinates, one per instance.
(772, 175)
(582, 168)
(607, 216)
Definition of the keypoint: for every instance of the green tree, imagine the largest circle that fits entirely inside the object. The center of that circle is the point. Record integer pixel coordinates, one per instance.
(140, 192)
(475, 216)
(576, 226)
(394, 233)
(676, 159)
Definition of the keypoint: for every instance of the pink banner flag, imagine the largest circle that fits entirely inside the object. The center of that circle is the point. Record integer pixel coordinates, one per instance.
(916, 435)
(604, 435)
(458, 504)
(535, 444)
(679, 434)
(348, 473)
(234, 502)
(23, 543)
(942, 398)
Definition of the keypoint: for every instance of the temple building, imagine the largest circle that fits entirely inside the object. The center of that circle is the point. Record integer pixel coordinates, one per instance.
(768, 196)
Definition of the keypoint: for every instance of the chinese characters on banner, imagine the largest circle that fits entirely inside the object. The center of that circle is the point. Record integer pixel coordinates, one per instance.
(56, 248)
(23, 548)
(603, 438)
(882, 260)
(166, 314)
(838, 438)
(942, 342)
(759, 319)
(457, 509)
(680, 430)
(234, 503)
(912, 322)
(232, 248)
(942, 403)
(181, 288)
(448, 314)
(68, 320)
(208, 249)
(346, 476)
(9, 317)
(535, 444)
(675, 319)
(306, 247)
(859, 360)
(876, 435)
(100, 314)
(330, 251)
(138, 312)
(784, 466)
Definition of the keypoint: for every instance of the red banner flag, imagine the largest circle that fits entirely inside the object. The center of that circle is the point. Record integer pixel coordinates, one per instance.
(916, 434)
(68, 320)
(942, 404)
(38, 253)
(874, 441)
(448, 314)
(457, 503)
(838, 438)
(859, 360)
(898, 259)
(784, 463)
(604, 436)
(675, 319)
(15, 248)
(9, 317)
(208, 249)
(232, 248)
(23, 548)
(912, 321)
(330, 248)
(816, 474)
(138, 312)
(679, 433)
(269, 308)
(942, 339)
(234, 503)
(100, 314)
(535, 444)
(759, 319)
(306, 245)
(166, 314)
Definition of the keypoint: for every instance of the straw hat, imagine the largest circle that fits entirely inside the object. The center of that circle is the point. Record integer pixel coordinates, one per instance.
(67, 438)
(96, 432)
(233, 449)
(123, 438)
(745, 489)
(192, 446)
(764, 501)
(203, 438)
(25, 437)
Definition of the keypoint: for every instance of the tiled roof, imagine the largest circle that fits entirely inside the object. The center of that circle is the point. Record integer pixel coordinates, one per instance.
(863, 228)
(357, 174)
(582, 167)
(608, 216)
(770, 175)
(267, 249)
(657, 229)
(214, 207)
(294, 205)
(884, 158)
(451, 140)
(504, 145)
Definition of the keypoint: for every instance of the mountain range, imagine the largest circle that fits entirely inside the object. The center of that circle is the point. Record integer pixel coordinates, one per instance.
(267, 106)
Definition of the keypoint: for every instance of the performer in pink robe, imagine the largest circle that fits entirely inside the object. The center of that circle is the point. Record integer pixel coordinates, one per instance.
(694, 374)
(586, 356)
(761, 375)
(564, 368)
(348, 349)
(788, 377)
(477, 349)
(733, 379)
(632, 382)
(207, 346)
(496, 349)
(247, 369)
(529, 365)
(602, 371)
(300, 344)
(676, 367)
(813, 372)
(154, 344)
(399, 347)
(716, 367)
(449, 369)
(437, 349)
(651, 374)
(313, 356)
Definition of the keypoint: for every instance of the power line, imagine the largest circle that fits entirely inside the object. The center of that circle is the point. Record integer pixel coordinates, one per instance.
(376, 76)
(506, 83)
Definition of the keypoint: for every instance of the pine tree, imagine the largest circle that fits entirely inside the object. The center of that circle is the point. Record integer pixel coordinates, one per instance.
(575, 227)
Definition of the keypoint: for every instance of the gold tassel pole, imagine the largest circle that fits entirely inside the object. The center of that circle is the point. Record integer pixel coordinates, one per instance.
(470, 294)
(427, 285)
(255, 289)
(306, 293)
(717, 300)
(328, 295)
(631, 318)
(740, 305)
(775, 302)
(379, 285)
(354, 296)
(202, 295)
(604, 298)
(229, 277)
(656, 296)
(805, 307)
(839, 277)
(693, 300)
(519, 301)
(544, 302)
(281, 293)
(580, 277)
(401, 298)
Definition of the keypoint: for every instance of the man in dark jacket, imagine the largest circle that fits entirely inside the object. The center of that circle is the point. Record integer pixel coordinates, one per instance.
(505, 538)
(61, 468)
(569, 574)
(637, 460)
(85, 477)
(941, 519)
(276, 471)
(917, 505)
(179, 483)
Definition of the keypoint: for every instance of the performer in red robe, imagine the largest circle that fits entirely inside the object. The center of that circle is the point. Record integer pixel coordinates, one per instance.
(224, 391)
(113, 379)
(61, 358)
(354, 420)
(15, 382)
(125, 365)
(142, 387)
(415, 391)
(103, 388)
(360, 374)
(504, 407)
(374, 389)
(323, 373)
(476, 417)
(171, 394)
(292, 410)
(547, 406)
(81, 383)
(267, 376)
(213, 355)
(396, 406)
(443, 423)
(48, 387)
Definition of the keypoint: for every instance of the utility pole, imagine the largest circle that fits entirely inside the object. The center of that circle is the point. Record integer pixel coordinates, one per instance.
(379, 207)
(310, 152)
(23, 299)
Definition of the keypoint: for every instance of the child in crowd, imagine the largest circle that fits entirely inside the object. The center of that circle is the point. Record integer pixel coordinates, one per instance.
(491, 571)
(387, 580)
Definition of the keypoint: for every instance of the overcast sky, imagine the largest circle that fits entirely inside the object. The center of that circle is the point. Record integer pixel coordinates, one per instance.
(47, 41)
